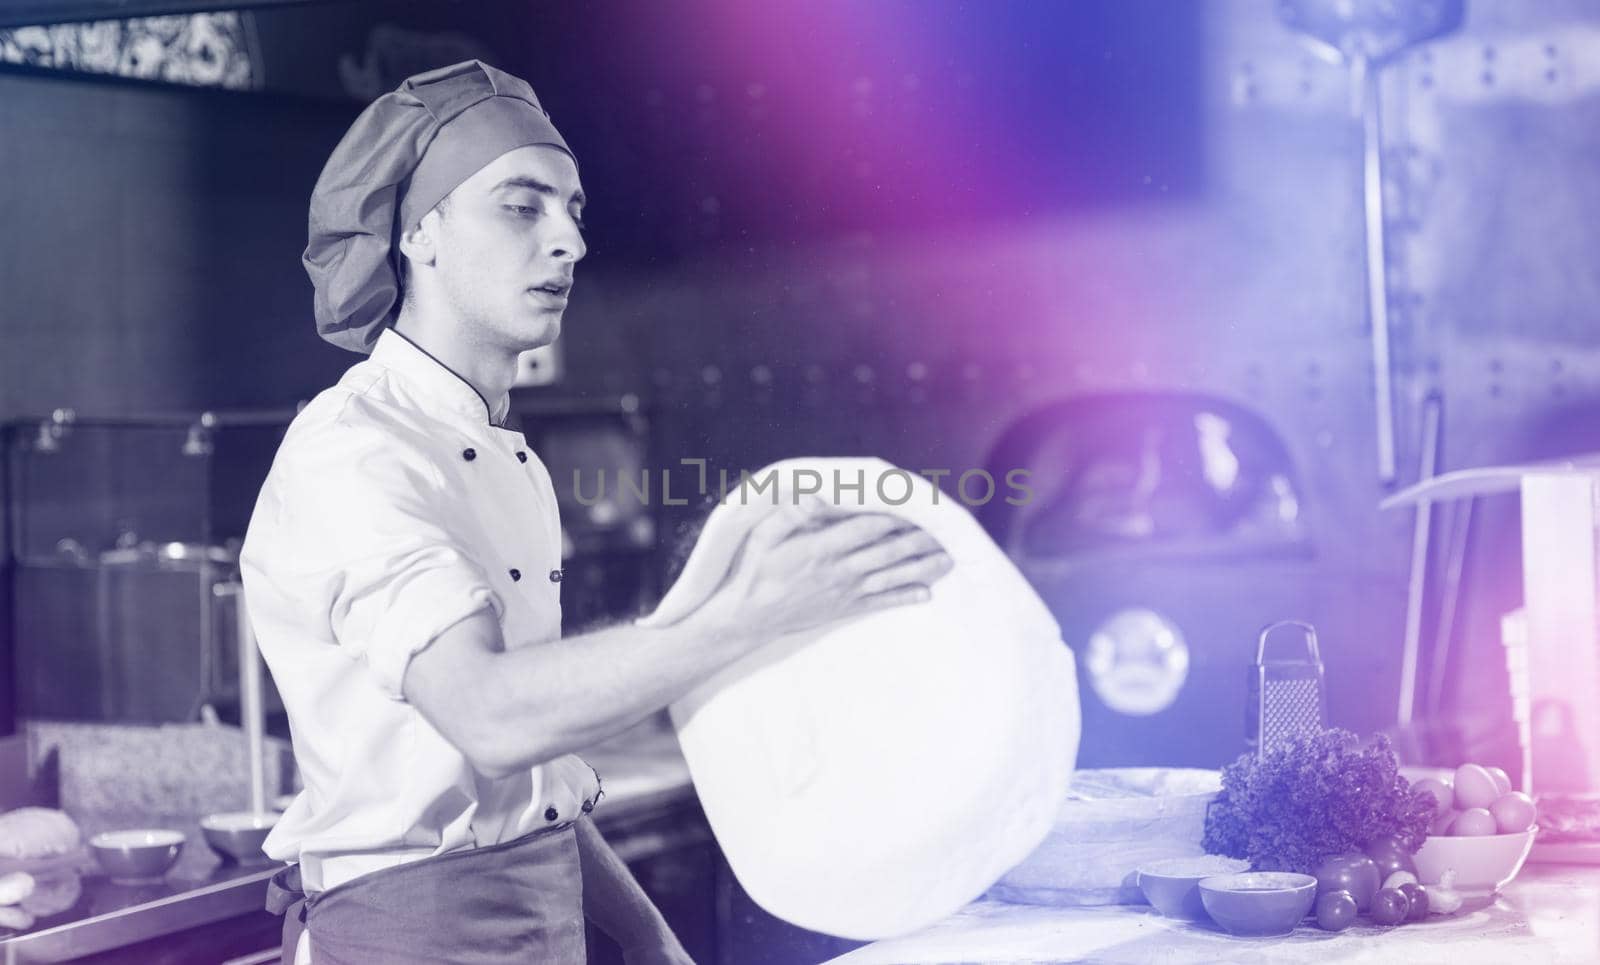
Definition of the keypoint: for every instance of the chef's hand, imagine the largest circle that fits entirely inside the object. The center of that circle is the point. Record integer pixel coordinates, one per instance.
(808, 565)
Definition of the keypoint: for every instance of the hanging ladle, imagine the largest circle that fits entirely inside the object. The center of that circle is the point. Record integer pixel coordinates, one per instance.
(1366, 35)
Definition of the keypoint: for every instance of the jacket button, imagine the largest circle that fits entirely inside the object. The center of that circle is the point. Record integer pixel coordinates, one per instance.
(516, 574)
(556, 575)
(550, 814)
(469, 454)
(522, 457)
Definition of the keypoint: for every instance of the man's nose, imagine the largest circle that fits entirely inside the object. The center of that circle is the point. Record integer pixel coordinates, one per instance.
(568, 245)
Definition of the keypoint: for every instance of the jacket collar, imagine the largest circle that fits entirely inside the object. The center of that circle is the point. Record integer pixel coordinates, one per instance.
(435, 383)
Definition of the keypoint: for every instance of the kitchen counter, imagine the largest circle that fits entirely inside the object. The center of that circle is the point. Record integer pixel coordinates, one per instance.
(641, 771)
(1551, 913)
(643, 775)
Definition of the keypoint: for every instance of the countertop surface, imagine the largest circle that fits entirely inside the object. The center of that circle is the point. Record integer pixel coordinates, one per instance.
(639, 769)
(642, 771)
(1551, 913)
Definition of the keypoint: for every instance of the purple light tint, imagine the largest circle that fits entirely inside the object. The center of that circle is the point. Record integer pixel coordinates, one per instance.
(789, 119)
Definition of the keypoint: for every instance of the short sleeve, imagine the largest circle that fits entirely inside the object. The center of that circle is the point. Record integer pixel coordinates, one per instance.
(366, 537)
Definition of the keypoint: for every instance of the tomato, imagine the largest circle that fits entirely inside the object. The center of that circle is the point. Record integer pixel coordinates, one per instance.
(1474, 823)
(1442, 794)
(1355, 873)
(1443, 822)
(1474, 787)
(1513, 812)
(1502, 780)
(1417, 898)
(1335, 910)
(1390, 856)
(1390, 906)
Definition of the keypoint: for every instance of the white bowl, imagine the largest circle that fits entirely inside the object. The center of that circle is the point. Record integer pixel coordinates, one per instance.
(1483, 864)
(136, 856)
(238, 835)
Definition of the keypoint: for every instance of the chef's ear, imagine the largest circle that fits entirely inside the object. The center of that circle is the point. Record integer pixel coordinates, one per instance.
(419, 243)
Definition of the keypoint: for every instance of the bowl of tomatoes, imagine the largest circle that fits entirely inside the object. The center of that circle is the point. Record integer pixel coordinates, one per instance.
(1482, 830)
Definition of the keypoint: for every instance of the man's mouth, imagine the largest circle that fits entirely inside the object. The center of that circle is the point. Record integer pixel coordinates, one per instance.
(560, 288)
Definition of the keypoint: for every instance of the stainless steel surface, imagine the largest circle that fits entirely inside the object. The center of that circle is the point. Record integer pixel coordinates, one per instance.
(644, 775)
(130, 639)
(64, 418)
(113, 624)
(209, 563)
(1421, 541)
(216, 901)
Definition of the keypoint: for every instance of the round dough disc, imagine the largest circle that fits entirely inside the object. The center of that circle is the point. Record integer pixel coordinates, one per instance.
(872, 777)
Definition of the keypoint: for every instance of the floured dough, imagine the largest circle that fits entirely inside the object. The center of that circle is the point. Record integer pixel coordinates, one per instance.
(872, 777)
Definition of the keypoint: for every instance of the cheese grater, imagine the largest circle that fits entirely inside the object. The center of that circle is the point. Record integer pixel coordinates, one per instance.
(1286, 694)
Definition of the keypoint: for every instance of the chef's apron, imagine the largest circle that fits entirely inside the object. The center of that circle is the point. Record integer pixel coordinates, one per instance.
(516, 902)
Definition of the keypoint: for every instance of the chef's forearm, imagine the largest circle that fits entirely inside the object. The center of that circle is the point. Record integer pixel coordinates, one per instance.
(512, 709)
(612, 898)
(577, 692)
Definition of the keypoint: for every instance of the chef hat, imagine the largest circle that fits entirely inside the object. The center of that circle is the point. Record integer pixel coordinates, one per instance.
(399, 159)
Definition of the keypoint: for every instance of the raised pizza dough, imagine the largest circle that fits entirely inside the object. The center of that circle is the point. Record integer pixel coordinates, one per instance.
(871, 778)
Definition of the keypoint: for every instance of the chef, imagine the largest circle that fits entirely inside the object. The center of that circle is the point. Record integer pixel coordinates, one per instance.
(402, 566)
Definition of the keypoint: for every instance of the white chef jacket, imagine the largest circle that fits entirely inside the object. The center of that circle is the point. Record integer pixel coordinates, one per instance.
(393, 510)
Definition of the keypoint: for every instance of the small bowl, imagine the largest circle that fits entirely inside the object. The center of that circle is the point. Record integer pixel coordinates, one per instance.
(1483, 864)
(136, 856)
(1258, 904)
(237, 835)
(1172, 885)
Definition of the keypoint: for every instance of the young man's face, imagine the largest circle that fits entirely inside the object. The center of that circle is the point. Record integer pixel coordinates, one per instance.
(505, 248)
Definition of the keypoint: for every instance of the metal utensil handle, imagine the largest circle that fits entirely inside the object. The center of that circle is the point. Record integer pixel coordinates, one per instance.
(1364, 75)
(251, 711)
(1310, 639)
(1421, 547)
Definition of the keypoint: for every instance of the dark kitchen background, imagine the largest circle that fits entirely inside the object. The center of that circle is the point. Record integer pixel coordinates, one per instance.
(1118, 243)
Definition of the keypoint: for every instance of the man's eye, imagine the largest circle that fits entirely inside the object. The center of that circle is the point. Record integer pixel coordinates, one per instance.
(522, 209)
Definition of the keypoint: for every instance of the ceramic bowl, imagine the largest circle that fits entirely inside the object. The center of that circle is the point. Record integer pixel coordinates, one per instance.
(237, 836)
(1172, 886)
(1258, 903)
(139, 855)
(1483, 864)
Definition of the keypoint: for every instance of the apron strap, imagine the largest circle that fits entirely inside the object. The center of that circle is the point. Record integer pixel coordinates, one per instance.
(286, 897)
(284, 890)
